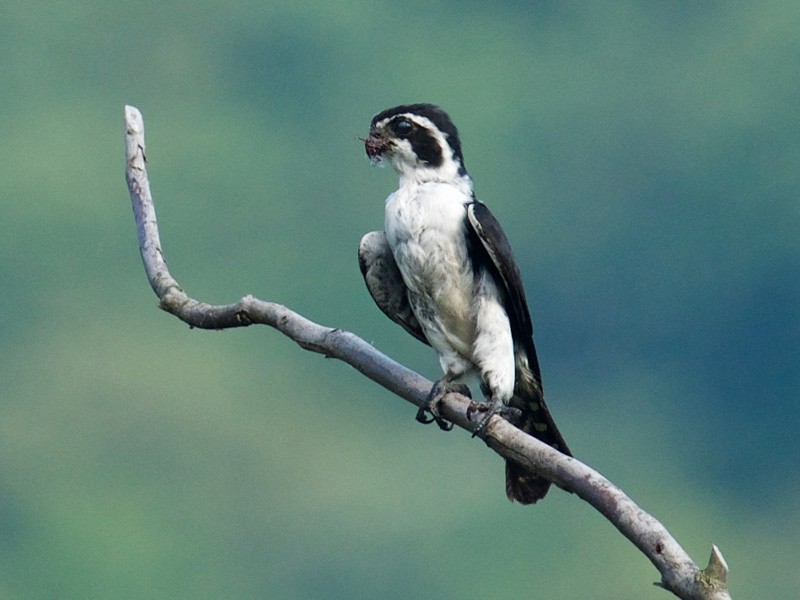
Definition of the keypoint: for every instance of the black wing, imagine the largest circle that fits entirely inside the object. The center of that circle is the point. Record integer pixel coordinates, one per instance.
(493, 240)
(493, 248)
(385, 283)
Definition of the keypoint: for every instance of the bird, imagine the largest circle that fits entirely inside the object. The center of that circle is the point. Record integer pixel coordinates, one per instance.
(443, 269)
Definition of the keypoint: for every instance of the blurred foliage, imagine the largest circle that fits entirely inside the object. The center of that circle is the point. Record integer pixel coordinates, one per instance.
(644, 159)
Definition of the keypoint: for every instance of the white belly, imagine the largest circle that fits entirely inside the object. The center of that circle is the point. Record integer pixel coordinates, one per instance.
(426, 230)
(462, 316)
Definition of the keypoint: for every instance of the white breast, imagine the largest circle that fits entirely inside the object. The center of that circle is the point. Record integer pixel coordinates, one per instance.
(425, 229)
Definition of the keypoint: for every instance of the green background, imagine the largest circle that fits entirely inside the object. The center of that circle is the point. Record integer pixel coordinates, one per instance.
(644, 160)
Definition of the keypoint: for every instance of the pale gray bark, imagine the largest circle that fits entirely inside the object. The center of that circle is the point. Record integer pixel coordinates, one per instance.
(679, 574)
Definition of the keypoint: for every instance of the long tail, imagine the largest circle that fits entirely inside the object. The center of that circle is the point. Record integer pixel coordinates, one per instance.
(521, 485)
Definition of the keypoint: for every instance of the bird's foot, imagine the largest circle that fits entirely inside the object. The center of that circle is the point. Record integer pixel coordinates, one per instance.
(439, 390)
(493, 407)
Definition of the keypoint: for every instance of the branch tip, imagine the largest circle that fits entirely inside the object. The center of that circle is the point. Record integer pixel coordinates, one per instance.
(716, 573)
(134, 122)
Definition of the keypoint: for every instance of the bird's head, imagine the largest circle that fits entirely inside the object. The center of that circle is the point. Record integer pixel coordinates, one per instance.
(419, 141)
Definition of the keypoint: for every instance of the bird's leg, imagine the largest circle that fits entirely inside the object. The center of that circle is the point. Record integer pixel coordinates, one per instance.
(495, 406)
(431, 405)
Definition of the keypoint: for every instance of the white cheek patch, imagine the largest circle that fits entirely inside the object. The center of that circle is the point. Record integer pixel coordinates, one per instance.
(403, 151)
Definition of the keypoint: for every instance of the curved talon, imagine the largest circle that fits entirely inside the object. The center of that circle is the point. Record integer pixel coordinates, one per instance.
(439, 390)
(422, 418)
(509, 413)
(444, 425)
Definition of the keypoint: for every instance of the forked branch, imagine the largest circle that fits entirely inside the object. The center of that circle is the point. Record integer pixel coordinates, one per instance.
(679, 574)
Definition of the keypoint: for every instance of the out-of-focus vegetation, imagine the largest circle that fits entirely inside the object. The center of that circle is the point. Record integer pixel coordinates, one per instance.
(644, 159)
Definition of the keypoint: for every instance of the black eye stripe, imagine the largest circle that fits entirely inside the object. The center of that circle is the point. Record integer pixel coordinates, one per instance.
(425, 145)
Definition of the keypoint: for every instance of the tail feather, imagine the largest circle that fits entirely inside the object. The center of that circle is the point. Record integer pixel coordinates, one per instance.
(521, 485)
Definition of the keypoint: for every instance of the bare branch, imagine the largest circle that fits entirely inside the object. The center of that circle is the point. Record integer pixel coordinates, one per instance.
(679, 574)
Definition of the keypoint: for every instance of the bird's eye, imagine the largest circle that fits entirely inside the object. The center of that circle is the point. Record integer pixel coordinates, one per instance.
(402, 127)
